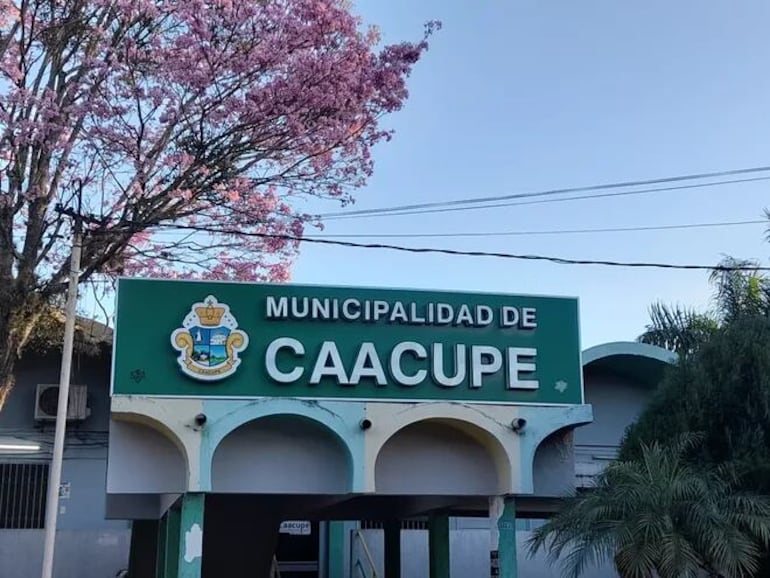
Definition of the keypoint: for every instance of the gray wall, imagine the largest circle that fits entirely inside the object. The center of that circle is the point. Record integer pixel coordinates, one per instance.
(143, 460)
(79, 553)
(616, 404)
(282, 454)
(432, 458)
(468, 553)
(88, 545)
(554, 465)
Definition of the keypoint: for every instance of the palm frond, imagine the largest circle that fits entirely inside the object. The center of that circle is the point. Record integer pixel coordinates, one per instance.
(659, 515)
(678, 329)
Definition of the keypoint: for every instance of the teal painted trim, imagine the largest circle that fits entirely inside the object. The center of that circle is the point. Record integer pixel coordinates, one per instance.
(634, 348)
(438, 545)
(336, 550)
(506, 525)
(393, 549)
(160, 557)
(341, 418)
(191, 536)
(173, 523)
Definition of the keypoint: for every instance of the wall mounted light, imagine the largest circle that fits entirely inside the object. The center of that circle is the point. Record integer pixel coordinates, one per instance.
(16, 445)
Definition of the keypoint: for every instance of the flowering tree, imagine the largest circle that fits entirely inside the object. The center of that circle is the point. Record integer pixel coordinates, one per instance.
(191, 131)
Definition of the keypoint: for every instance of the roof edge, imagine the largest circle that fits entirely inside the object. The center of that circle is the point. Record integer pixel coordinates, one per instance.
(634, 348)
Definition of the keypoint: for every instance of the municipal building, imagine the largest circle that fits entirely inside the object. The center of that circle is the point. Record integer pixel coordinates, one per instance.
(261, 431)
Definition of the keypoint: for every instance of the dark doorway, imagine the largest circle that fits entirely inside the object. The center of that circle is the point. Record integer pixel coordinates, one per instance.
(297, 549)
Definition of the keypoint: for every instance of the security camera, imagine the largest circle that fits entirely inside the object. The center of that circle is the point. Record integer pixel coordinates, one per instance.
(518, 424)
(365, 424)
(200, 419)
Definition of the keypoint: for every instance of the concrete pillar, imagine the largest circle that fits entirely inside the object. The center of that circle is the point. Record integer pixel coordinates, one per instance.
(393, 549)
(191, 536)
(502, 520)
(336, 550)
(438, 545)
(171, 558)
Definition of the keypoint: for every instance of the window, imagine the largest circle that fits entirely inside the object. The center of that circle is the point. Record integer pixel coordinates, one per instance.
(23, 489)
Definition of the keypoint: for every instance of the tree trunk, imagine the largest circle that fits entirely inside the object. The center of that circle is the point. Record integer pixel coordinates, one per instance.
(19, 313)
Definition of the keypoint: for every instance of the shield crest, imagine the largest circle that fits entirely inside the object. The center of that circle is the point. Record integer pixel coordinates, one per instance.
(209, 341)
(209, 345)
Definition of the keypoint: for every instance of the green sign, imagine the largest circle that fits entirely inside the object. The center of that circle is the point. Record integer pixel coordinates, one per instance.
(200, 339)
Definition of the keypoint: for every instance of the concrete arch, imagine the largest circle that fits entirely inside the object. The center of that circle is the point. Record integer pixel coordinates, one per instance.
(170, 419)
(282, 454)
(640, 362)
(442, 457)
(543, 422)
(471, 422)
(338, 418)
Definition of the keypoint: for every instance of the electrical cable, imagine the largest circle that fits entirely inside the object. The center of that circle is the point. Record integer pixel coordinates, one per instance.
(400, 213)
(454, 252)
(534, 233)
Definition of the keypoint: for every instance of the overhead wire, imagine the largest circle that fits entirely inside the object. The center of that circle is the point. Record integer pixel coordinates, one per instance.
(501, 255)
(535, 233)
(401, 213)
(560, 191)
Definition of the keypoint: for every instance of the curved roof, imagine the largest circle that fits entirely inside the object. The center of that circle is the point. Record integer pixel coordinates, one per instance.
(640, 362)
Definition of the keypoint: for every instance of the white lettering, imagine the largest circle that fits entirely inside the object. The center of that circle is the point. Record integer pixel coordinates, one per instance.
(367, 365)
(320, 308)
(416, 318)
(346, 309)
(398, 313)
(381, 309)
(529, 318)
(464, 316)
(484, 315)
(329, 353)
(395, 363)
(509, 316)
(335, 309)
(485, 360)
(515, 367)
(270, 359)
(279, 309)
(437, 366)
(444, 313)
(295, 309)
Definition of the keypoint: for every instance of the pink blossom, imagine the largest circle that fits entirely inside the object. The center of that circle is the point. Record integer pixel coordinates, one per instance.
(191, 127)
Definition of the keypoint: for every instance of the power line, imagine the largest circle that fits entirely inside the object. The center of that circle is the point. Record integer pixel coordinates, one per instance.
(454, 252)
(616, 185)
(448, 206)
(684, 226)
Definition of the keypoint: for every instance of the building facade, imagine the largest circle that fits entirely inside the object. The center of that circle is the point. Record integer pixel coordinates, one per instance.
(215, 485)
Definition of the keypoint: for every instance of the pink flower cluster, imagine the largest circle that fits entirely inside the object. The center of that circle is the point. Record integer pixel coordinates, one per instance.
(212, 116)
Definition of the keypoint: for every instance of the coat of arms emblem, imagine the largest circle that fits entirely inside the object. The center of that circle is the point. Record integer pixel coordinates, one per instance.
(209, 341)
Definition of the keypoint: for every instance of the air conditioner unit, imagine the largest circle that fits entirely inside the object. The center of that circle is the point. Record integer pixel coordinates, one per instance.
(47, 401)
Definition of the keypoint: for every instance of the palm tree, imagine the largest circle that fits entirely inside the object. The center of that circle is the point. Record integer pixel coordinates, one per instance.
(658, 516)
(737, 293)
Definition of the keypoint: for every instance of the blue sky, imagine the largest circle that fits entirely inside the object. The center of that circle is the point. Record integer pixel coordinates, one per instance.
(533, 95)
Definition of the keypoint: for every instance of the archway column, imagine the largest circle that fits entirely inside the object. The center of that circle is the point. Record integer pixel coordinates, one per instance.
(502, 526)
(191, 536)
(438, 545)
(392, 548)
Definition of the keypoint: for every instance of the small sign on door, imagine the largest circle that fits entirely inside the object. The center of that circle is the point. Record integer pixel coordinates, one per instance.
(295, 527)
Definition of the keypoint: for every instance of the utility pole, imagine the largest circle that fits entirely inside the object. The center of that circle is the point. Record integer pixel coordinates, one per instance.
(54, 477)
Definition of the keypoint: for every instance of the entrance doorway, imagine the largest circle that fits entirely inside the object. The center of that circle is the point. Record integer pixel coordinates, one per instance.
(297, 551)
